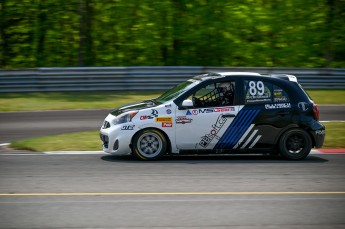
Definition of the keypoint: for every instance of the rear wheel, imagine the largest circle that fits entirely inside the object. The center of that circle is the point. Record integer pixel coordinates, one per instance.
(149, 144)
(295, 144)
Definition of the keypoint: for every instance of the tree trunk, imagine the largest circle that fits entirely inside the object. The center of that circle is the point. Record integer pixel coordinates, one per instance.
(85, 39)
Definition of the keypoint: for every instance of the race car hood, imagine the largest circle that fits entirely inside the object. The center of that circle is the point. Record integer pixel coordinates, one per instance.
(133, 107)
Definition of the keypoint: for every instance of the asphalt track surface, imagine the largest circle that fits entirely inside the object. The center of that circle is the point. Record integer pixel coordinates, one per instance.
(99, 191)
(21, 125)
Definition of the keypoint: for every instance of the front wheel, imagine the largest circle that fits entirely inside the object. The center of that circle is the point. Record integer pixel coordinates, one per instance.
(149, 144)
(295, 144)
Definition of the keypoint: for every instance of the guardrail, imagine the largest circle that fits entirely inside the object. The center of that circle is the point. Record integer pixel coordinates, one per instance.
(144, 78)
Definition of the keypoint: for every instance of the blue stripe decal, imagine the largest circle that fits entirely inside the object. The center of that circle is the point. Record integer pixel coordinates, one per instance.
(235, 135)
(240, 129)
(236, 129)
(243, 126)
(233, 130)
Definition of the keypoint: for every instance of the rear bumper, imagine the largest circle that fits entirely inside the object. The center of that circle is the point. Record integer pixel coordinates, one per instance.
(319, 138)
(318, 132)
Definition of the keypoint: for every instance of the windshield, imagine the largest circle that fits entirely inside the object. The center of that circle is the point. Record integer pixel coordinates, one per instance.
(176, 91)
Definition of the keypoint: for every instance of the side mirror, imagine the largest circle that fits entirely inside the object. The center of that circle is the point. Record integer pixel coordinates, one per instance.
(187, 103)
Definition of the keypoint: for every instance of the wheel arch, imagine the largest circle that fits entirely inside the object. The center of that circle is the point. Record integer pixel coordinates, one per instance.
(308, 130)
(282, 131)
(290, 127)
(295, 144)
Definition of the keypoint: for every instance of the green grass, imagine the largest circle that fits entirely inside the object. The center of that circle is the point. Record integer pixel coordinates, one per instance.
(335, 135)
(71, 100)
(111, 99)
(82, 141)
(335, 138)
(327, 96)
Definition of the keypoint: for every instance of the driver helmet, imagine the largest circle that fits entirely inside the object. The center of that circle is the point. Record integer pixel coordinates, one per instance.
(225, 86)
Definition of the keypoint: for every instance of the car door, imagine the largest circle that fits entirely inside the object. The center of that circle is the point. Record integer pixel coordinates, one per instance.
(202, 126)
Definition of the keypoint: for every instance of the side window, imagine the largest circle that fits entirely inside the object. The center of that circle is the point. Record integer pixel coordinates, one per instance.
(215, 94)
(257, 92)
(279, 95)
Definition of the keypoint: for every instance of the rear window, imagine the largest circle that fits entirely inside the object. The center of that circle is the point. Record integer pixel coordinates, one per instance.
(258, 92)
(306, 93)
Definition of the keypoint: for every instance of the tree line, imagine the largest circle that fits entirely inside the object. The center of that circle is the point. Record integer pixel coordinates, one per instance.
(272, 33)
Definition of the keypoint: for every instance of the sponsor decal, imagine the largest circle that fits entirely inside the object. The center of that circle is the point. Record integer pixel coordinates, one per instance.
(279, 100)
(183, 120)
(256, 91)
(168, 111)
(238, 130)
(163, 119)
(302, 106)
(211, 110)
(143, 117)
(153, 115)
(223, 109)
(277, 106)
(207, 138)
(167, 124)
(278, 93)
(127, 127)
(168, 105)
(188, 113)
(320, 132)
(195, 112)
(203, 111)
(279, 96)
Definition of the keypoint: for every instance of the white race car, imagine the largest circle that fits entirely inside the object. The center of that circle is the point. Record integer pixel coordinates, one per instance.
(218, 113)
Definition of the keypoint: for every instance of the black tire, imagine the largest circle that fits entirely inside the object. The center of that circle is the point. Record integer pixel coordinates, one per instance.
(149, 144)
(295, 144)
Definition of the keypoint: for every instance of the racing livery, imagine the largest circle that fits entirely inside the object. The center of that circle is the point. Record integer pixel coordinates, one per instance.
(233, 112)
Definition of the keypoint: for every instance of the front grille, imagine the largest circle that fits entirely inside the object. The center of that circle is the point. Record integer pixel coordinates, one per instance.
(105, 140)
(106, 125)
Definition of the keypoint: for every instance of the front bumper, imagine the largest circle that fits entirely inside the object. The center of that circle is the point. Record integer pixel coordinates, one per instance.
(116, 139)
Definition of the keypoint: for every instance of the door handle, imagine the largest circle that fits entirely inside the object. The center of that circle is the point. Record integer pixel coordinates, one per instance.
(229, 115)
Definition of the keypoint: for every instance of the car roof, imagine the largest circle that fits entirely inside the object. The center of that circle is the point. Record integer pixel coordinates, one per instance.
(215, 75)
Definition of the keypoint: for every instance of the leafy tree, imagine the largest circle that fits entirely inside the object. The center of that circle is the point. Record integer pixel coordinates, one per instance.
(286, 33)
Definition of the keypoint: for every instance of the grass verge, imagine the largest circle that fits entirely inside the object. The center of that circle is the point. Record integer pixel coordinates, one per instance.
(81, 141)
(335, 135)
(327, 96)
(71, 100)
(335, 138)
(111, 99)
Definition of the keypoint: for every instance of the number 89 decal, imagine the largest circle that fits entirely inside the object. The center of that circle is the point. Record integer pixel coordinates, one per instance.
(257, 88)
(257, 92)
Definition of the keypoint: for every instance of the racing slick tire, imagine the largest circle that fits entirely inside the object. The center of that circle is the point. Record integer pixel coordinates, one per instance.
(295, 144)
(149, 145)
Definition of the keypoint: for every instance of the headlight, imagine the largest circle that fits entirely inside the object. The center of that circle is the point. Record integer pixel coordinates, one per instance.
(123, 118)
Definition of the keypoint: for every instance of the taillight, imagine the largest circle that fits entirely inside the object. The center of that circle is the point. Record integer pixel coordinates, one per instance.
(316, 112)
